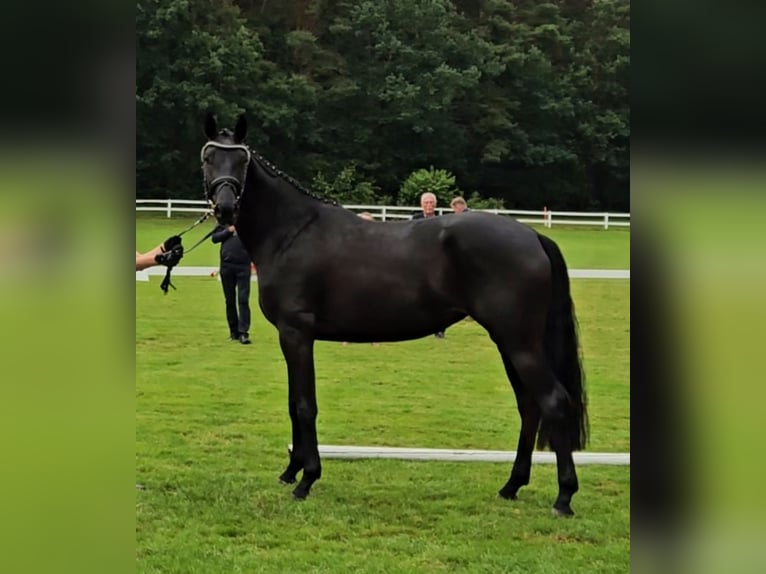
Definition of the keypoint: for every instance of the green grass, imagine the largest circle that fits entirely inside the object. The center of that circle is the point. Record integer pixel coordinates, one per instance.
(583, 248)
(212, 429)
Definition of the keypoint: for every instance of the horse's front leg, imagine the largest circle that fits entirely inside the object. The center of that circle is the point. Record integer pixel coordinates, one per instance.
(296, 462)
(298, 349)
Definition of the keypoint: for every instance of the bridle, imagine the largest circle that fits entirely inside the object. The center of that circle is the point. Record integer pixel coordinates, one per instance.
(236, 185)
(229, 180)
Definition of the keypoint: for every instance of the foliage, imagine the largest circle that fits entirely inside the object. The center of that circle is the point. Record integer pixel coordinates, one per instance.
(346, 187)
(521, 100)
(191, 56)
(438, 181)
(475, 201)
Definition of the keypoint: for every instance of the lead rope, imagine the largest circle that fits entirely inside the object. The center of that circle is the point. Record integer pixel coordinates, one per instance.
(205, 215)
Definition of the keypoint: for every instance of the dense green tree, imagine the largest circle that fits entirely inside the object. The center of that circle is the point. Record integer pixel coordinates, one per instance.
(410, 69)
(440, 182)
(522, 100)
(603, 114)
(540, 129)
(192, 56)
(347, 187)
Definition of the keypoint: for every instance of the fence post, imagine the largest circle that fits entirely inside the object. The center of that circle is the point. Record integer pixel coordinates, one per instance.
(383, 213)
(170, 203)
(606, 221)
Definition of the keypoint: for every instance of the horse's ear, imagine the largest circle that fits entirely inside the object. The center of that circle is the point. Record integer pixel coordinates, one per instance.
(211, 126)
(240, 130)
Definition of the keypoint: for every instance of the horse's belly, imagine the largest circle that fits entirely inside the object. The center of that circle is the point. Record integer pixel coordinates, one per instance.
(385, 313)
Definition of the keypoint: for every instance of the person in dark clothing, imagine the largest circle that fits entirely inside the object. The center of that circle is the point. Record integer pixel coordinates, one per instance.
(235, 279)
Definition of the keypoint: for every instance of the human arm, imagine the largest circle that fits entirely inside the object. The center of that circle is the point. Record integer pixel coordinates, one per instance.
(222, 233)
(153, 257)
(145, 260)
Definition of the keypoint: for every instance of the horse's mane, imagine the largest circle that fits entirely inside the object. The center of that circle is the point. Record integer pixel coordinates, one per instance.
(274, 171)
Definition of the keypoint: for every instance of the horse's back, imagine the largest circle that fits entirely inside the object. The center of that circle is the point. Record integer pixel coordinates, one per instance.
(436, 253)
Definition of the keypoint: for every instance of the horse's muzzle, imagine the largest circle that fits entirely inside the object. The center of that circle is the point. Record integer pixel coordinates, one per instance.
(225, 203)
(225, 214)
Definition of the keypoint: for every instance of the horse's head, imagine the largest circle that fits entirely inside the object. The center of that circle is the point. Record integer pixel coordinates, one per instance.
(224, 166)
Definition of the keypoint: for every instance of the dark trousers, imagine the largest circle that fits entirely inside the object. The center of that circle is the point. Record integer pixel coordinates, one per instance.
(235, 280)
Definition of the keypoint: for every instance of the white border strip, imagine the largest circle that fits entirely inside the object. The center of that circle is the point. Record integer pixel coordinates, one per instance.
(363, 452)
(185, 271)
(599, 273)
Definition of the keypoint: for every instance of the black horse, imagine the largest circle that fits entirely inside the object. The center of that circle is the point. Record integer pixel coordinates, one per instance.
(324, 273)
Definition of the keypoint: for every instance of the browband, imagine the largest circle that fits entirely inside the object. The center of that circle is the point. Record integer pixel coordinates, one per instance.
(224, 146)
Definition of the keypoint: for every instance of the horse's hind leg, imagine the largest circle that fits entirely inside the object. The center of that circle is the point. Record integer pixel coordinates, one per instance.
(567, 482)
(530, 421)
(556, 413)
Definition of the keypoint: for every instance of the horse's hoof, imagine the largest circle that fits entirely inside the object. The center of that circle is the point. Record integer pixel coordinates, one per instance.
(507, 494)
(286, 479)
(300, 493)
(564, 511)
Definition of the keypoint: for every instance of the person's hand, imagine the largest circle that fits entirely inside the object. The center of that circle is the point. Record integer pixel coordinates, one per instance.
(170, 243)
(170, 258)
(232, 228)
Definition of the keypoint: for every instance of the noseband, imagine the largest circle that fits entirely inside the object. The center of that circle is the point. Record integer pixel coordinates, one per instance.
(229, 180)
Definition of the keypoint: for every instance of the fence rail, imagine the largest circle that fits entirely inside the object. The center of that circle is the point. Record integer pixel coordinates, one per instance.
(393, 212)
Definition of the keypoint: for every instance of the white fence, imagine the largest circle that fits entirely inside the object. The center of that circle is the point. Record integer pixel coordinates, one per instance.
(391, 212)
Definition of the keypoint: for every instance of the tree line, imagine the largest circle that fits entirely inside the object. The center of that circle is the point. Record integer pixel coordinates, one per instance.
(519, 102)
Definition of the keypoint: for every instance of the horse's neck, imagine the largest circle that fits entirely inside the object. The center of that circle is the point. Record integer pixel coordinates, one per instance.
(275, 211)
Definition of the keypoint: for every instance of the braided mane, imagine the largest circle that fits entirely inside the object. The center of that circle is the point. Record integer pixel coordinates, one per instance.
(272, 170)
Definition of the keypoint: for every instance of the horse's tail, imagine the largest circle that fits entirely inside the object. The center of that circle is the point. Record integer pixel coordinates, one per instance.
(563, 351)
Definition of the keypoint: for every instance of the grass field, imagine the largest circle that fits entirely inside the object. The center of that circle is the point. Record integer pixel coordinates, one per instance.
(212, 429)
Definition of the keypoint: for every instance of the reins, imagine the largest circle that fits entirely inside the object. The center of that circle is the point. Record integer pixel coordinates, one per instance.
(205, 237)
(196, 223)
